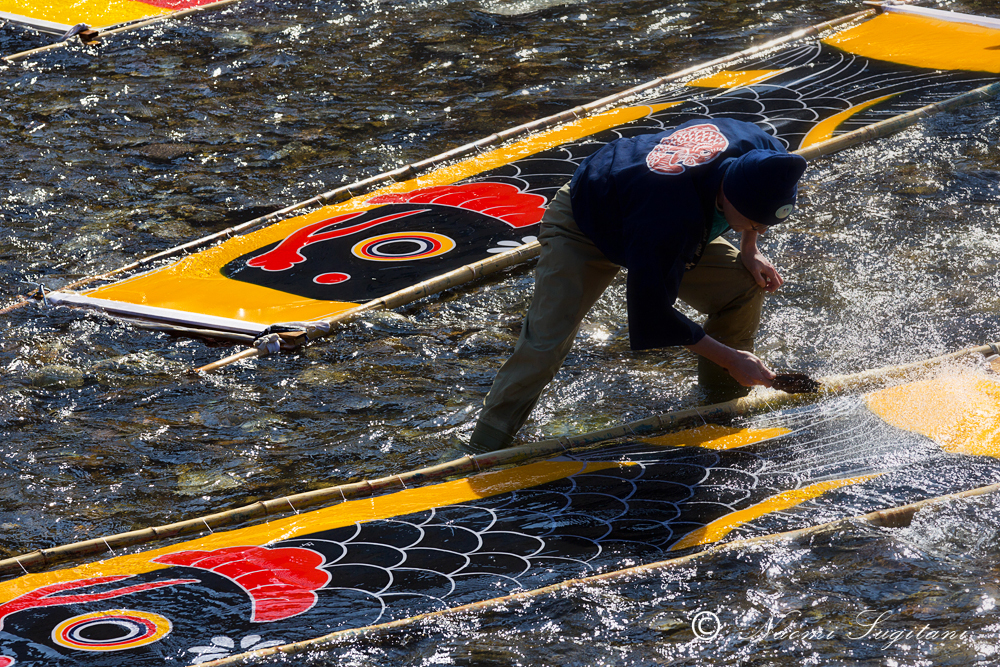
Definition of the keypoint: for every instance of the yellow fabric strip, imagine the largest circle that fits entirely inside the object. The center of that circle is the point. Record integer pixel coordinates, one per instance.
(825, 129)
(959, 412)
(718, 529)
(95, 13)
(734, 79)
(195, 284)
(712, 436)
(346, 514)
(923, 42)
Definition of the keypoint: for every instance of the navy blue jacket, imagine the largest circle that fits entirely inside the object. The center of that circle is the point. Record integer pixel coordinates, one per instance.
(647, 203)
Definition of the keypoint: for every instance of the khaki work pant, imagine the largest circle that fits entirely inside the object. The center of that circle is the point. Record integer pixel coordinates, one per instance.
(570, 277)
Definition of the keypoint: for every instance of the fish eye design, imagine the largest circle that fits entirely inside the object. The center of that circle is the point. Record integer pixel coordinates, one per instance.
(111, 630)
(400, 246)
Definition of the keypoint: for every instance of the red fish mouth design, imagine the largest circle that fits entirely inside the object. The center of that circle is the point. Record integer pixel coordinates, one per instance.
(55, 594)
(398, 240)
(497, 200)
(281, 582)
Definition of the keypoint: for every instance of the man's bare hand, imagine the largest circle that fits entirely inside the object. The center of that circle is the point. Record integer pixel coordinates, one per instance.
(745, 367)
(763, 271)
(748, 370)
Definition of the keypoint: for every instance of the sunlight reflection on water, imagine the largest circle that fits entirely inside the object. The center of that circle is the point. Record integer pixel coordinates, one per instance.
(187, 128)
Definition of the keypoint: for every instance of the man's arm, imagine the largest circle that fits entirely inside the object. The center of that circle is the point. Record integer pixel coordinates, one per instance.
(745, 368)
(762, 270)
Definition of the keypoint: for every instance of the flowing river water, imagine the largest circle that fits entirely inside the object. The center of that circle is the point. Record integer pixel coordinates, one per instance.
(169, 133)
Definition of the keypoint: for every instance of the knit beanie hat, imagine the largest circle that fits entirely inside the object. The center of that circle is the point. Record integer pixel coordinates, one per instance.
(761, 184)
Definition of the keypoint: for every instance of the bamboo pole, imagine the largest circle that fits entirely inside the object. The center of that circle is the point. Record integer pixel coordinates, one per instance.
(892, 125)
(121, 28)
(410, 171)
(889, 518)
(759, 402)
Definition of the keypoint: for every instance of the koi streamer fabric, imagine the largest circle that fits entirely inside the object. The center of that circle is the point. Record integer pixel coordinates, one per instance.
(370, 561)
(58, 16)
(316, 265)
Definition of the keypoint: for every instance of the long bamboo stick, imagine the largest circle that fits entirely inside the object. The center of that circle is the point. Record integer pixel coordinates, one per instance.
(407, 295)
(119, 29)
(760, 402)
(411, 170)
(889, 518)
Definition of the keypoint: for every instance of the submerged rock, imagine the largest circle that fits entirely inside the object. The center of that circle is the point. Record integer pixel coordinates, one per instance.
(323, 375)
(204, 482)
(57, 376)
(136, 369)
(669, 624)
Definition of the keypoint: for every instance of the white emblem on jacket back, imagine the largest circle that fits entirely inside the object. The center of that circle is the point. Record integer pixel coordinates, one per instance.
(686, 147)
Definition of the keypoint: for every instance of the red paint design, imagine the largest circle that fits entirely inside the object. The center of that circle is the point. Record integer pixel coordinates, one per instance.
(498, 200)
(175, 4)
(287, 254)
(6, 662)
(331, 278)
(687, 147)
(46, 596)
(281, 582)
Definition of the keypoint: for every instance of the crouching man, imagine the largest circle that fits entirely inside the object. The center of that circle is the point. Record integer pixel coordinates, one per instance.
(655, 204)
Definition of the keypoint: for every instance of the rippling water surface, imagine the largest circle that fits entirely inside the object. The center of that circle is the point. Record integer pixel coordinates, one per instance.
(173, 132)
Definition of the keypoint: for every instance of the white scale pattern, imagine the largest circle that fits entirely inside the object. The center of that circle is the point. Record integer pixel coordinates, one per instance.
(593, 521)
(819, 82)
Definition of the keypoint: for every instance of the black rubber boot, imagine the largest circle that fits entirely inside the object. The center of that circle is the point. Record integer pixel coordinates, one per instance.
(719, 386)
(487, 439)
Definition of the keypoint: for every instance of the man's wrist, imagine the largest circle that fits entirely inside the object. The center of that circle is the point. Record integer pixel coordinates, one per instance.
(714, 351)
